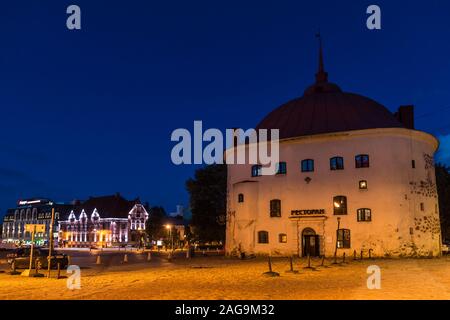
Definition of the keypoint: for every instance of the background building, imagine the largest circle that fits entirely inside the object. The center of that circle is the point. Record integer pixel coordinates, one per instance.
(352, 176)
(104, 221)
(32, 211)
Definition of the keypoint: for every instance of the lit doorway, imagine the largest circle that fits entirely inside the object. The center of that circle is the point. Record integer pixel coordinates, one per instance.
(310, 243)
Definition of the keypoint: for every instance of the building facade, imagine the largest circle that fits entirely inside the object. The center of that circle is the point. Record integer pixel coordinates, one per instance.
(104, 222)
(32, 211)
(352, 177)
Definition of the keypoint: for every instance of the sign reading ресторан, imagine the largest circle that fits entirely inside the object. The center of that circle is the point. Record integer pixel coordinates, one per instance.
(307, 212)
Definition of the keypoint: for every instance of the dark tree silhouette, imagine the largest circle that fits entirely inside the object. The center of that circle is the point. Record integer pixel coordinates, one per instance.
(208, 192)
(154, 225)
(443, 188)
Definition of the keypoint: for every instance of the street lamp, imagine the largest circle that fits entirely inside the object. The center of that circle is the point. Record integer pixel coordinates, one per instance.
(337, 236)
(169, 227)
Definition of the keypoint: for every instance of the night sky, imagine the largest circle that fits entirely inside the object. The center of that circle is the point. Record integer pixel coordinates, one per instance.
(90, 112)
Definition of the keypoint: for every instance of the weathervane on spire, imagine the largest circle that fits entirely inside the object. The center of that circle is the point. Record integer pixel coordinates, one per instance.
(321, 75)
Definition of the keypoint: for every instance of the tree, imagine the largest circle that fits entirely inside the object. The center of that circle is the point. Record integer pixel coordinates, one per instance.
(443, 188)
(208, 194)
(154, 225)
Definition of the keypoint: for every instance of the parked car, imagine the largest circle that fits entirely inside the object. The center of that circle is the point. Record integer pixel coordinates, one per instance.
(21, 256)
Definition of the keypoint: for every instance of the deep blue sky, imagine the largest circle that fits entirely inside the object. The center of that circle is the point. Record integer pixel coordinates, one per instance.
(90, 112)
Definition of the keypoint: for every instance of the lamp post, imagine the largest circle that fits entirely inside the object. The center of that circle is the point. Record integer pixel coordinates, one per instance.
(169, 227)
(337, 236)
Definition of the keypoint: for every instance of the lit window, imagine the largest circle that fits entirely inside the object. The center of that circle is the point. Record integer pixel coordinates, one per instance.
(364, 214)
(281, 169)
(282, 238)
(337, 163)
(263, 237)
(256, 170)
(275, 208)
(340, 205)
(307, 165)
(362, 161)
(240, 197)
(363, 184)
(343, 238)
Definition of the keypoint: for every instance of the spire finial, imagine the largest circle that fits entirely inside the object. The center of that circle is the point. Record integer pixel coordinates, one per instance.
(321, 75)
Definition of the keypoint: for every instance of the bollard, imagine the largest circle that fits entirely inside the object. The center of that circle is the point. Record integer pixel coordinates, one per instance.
(323, 261)
(125, 258)
(361, 255)
(335, 258)
(308, 256)
(343, 257)
(149, 256)
(270, 273)
(58, 275)
(13, 271)
(291, 265)
(99, 260)
(354, 255)
(188, 253)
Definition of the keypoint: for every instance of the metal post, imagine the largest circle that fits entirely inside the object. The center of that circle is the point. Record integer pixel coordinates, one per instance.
(32, 248)
(291, 264)
(270, 264)
(343, 257)
(354, 254)
(323, 261)
(50, 247)
(59, 271)
(361, 254)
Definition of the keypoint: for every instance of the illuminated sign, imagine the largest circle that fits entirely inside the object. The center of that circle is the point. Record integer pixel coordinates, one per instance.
(307, 212)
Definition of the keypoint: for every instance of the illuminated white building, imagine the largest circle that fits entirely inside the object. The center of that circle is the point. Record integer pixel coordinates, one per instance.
(352, 177)
(104, 221)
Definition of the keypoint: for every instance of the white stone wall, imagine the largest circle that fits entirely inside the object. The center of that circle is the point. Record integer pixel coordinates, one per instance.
(395, 192)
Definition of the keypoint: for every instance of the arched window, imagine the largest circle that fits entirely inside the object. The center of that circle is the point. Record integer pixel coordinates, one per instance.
(362, 161)
(364, 214)
(256, 170)
(22, 214)
(281, 168)
(343, 238)
(240, 197)
(275, 208)
(337, 163)
(340, 205)
(263, 237)
(307, 165)
(34, 214)
(282, 238)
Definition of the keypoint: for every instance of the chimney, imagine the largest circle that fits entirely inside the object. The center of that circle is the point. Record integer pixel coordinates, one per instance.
(405, 115)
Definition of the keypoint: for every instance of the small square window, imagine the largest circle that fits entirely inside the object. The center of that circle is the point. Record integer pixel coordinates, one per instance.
(282, 238)
(240, 197)
(363, 185)
(281, 168)
(256, 170)
(307, 165)
(422, 206)
(413, 164)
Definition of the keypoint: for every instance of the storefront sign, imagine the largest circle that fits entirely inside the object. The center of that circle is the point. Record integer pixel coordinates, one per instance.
(307, 212)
